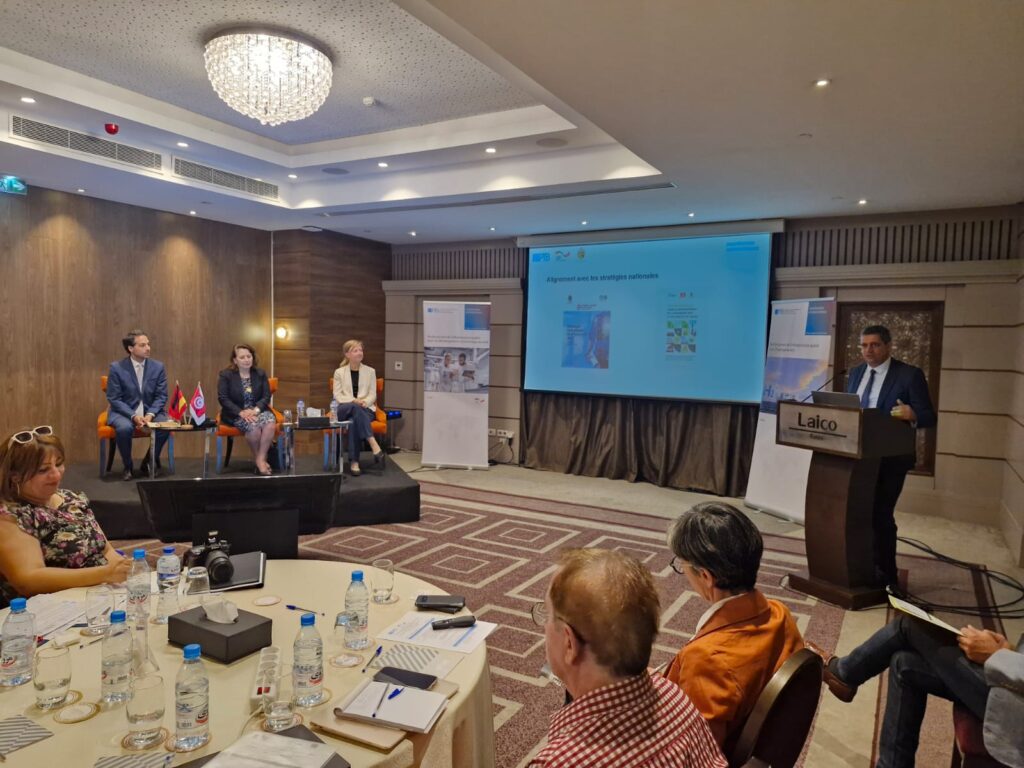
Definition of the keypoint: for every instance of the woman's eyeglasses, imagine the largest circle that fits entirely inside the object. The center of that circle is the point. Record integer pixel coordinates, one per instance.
(26, 437)
(540, 615)
(679, 565)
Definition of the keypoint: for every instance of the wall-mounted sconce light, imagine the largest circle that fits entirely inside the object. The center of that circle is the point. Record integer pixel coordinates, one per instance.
(281, 332)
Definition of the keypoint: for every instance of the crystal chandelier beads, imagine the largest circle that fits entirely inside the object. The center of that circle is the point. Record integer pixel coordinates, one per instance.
(268, 76)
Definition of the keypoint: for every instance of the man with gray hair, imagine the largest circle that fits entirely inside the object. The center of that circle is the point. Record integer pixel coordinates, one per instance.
(600, 618)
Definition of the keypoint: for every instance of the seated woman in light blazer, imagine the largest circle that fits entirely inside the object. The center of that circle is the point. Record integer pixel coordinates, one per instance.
(355, 389)
(243, 392)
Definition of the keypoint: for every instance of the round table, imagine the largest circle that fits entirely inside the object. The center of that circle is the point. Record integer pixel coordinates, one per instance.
(463, 736)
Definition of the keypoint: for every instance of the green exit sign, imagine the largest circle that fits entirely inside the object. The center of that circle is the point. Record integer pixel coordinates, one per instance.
(12, 185)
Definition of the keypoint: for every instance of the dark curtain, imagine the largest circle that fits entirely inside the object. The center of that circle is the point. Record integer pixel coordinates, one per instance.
(694, 446)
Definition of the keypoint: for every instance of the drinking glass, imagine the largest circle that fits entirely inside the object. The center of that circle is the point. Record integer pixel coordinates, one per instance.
(382, 580)
(51, 676)
(279, 703)
(197, 586)
(145, 711)
(99, 604)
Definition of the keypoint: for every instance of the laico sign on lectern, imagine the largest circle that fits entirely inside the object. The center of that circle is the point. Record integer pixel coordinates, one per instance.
(847, 443)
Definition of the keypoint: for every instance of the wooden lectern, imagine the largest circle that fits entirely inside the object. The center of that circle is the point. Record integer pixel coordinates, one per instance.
(848, 444)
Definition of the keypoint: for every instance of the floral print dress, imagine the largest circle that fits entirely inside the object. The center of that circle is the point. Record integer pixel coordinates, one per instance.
(248, 401)
(68, 536)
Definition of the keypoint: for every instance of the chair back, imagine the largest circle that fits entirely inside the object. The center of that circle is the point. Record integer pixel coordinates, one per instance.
(103, 383)
(273, 384)
(778, 725)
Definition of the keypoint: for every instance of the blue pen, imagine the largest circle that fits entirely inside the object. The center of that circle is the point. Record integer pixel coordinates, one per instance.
(304, 610)
(395, 693)
(380, 700)
(375, 655)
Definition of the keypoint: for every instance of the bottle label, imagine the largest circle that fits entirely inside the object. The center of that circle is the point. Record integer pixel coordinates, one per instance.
(187, 717)
(8, 660)
(308, 677)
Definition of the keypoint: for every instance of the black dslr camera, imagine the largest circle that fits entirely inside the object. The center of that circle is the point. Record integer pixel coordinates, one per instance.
(214, 556)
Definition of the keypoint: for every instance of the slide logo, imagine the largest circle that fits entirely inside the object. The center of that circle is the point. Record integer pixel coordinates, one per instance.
(542, 256)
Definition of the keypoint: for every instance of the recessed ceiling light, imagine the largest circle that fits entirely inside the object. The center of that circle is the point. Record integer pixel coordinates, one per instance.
(413, 233)
(183, 144)
(382, 164)
(257, 178)
(191, 213)
(492, 229)
(27, 100)
(822, 82)
(80, 190)
(691, 214)
(490, 150)
(862, 201)
(293, 176)
(583, 223)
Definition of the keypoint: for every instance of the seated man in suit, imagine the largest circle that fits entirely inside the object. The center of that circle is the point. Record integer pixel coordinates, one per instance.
(900, 390)
(978, 669)
(743, 638)
(137, 395)
(600, 618)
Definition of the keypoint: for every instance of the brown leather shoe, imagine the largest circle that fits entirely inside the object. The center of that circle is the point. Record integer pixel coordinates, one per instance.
(840, 689)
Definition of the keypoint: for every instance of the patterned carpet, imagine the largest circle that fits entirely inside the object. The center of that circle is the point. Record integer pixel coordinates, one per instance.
(499, 551)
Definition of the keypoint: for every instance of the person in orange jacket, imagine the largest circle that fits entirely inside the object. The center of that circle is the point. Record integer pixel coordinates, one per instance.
(743, 638)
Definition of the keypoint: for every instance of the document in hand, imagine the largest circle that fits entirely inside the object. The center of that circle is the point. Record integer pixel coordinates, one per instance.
(399, 707)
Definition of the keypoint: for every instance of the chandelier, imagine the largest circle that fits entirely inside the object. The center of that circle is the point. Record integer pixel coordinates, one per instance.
(272, 77)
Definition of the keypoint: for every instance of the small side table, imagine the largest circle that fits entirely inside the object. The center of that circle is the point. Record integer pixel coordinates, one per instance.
(205, 428)
(333, 443)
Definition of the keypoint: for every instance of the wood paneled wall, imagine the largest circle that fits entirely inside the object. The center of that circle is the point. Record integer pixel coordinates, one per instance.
(327, 289)
(79, 272)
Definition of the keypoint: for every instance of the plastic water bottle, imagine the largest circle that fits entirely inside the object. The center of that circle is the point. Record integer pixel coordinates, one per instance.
(334, 409)
(191, 702)
(116, 648)
(138, 587)
(19, 645)
(357, 600)
(300, 409)
(168, 574)
(308, 669)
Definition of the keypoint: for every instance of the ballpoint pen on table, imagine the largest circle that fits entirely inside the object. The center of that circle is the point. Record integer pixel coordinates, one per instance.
(380, 700)
(375, 655)
(304, 610)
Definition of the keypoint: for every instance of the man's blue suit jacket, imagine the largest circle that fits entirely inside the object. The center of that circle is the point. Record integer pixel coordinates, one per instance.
(123, 388)
(903, 382)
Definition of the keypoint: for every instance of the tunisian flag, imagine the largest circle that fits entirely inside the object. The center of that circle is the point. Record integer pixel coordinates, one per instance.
(197, 406)
(178, 405)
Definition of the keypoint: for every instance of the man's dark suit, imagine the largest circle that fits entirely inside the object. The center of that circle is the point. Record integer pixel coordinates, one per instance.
(907, 384)
(123, 396)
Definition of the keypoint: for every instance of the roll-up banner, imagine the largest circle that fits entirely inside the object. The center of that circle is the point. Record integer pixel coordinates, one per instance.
(456, 373)
(799, 350)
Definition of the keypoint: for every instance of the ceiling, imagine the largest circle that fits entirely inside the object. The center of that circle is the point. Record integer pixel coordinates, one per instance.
(617, 114)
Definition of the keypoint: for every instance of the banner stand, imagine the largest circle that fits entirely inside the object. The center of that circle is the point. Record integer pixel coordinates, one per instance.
(456, 376)
(797, 363)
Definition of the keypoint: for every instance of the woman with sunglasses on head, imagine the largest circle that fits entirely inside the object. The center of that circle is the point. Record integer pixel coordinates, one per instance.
(49, 538)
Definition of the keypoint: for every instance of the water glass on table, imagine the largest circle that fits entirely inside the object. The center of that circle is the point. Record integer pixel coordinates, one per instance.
(279, 706)
(99, 604)
(197, 586)
(145, 712)
(51, 676)
(383, 580)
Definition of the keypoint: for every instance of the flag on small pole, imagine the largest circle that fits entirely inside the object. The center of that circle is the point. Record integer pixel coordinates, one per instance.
(178, 405)
(197, 406)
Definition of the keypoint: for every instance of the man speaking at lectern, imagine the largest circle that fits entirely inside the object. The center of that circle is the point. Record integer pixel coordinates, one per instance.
(899, 389)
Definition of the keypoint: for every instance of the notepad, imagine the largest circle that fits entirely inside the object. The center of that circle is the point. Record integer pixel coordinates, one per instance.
(411, 710)
(920, 613)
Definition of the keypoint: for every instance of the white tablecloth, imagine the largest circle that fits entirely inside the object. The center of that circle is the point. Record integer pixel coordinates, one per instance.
(462, 738)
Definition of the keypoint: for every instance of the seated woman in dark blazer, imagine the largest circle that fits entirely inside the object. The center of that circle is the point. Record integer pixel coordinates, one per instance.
(49, 538)
(244, 396)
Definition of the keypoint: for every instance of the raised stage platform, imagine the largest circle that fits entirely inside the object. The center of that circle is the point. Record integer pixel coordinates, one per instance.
(379, 495)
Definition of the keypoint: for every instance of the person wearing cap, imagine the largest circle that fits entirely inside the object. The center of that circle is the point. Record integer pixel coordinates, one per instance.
(49, 538)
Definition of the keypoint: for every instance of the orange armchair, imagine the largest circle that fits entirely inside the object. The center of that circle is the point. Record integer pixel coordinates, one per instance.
(108, 439)
(229, 433)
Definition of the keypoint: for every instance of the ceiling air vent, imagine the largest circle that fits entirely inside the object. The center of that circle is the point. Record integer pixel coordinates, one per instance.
(189, 170)
(33, 130)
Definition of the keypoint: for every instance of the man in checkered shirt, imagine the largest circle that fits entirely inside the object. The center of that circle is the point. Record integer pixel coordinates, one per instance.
(600, 618)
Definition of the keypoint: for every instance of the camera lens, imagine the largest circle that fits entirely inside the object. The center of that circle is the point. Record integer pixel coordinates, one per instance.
(219, 566)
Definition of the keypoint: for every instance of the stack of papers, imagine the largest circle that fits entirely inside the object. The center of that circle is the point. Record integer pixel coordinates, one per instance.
(414, 629)
(394, 705)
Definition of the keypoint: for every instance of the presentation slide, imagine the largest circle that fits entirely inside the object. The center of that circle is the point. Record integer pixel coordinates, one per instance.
(681, 319)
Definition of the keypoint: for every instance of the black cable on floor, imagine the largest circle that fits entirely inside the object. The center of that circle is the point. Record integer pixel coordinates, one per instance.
(1005, 610)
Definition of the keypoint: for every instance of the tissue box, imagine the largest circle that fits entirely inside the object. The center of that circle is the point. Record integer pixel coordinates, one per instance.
(223, 642)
